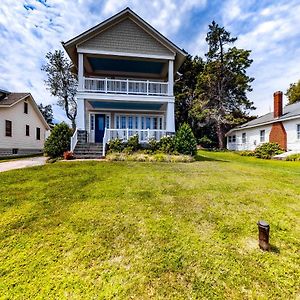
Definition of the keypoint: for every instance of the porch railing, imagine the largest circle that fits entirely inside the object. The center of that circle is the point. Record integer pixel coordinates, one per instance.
(124, 134)
(74, 140)
(125, 86)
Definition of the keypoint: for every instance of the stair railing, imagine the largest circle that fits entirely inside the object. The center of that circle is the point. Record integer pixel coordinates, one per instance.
(105, 139)
(74, 140)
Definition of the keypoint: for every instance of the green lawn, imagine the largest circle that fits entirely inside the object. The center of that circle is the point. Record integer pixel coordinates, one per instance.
(128, 230)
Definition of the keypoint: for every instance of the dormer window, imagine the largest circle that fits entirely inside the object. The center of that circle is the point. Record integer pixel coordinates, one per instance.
(25, 108)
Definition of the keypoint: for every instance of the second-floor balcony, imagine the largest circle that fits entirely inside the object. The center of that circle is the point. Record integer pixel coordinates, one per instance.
(125, 86)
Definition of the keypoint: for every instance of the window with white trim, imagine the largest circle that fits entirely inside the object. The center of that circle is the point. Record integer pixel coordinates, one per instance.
(244, 137)
(234, 138)
(229, 139)
(107, 122)
(298, 131)
(262, 136)
(92, 122)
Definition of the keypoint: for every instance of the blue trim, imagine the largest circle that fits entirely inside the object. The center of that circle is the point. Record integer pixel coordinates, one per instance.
(126, 105)
(118, 65)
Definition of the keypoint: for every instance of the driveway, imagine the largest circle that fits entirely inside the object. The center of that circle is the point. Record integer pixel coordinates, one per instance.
(22, 163)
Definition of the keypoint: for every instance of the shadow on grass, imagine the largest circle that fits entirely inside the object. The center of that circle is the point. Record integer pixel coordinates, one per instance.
(199, 157)
(274, 249)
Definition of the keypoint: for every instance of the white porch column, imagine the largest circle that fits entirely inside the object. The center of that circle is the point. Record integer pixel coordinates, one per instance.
(170, 126)
(80, 72)
(171, 78)
(80, 118)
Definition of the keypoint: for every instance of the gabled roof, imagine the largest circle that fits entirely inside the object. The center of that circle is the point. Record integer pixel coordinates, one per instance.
(290, 112)
(70, 46)
(13, 98)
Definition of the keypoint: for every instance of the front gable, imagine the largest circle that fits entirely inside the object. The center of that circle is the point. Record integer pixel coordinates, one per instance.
(126, 37)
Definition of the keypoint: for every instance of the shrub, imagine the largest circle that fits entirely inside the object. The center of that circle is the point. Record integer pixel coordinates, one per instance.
(206, 142)
(133, 143)
(267, 150)
(116, 145)
(153, 145)
(293, 157)
(59, 141)
(185, 141)
(167, 144)
(247, 153)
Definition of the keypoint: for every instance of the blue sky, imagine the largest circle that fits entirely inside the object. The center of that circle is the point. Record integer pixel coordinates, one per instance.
(271, 29)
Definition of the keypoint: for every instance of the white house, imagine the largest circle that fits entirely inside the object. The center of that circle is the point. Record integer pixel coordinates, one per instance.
(23, 128)
(126, 72)
(281, 126)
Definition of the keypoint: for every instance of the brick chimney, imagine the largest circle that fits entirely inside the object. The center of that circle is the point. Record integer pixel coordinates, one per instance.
(277, 104)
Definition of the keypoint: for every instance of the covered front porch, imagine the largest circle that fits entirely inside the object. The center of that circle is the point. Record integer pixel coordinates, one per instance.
(104, 119)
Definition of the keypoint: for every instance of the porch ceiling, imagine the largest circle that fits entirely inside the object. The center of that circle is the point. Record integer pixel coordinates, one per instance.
(125, 105)
(125, 66)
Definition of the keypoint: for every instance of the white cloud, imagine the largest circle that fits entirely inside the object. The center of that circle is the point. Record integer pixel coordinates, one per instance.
(272, 33)
(27, 35)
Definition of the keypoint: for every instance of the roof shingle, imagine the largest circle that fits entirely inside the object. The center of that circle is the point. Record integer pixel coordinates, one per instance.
(12, 98)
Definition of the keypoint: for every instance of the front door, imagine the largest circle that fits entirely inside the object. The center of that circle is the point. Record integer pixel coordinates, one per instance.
(99, 128)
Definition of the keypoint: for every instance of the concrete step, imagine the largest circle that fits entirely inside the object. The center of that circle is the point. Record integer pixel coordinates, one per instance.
(88, 152)
(89, 156)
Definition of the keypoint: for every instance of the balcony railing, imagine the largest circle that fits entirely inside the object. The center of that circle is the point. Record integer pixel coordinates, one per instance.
(125, 86)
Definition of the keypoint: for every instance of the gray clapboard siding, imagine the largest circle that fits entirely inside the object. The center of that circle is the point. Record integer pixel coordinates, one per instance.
(127, 37)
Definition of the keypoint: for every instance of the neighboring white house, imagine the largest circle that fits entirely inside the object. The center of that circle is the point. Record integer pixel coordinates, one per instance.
(281, 126)
(22, 126)
(126, 73)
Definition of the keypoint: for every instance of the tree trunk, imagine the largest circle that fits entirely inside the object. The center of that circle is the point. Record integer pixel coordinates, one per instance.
(73, 124)
(220, 135)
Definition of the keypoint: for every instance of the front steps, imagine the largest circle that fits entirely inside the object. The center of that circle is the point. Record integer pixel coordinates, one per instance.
(88, 150)
(85, 150)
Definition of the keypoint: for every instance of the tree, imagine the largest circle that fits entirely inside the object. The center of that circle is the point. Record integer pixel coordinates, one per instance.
(222, 86)
(47, 112)
(59, 140)
(185, 141)
(293, 92)
(62, 83)
(184, 90)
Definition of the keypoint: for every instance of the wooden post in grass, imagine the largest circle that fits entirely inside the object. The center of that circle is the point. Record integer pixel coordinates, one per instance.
(263, 235)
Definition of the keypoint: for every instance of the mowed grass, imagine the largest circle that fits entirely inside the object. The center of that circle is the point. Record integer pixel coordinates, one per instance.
(129, 230)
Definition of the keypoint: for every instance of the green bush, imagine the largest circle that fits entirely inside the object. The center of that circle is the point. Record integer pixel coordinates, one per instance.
(247, 153)
(116, 145)
(267, 150)
(205, 142)
(167, 144)
(153, 145)
(59, 141)
(185, 141)
(133, 143)
(293, 157)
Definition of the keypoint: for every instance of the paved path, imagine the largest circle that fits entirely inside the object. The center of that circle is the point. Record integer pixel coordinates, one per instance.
(22, 163)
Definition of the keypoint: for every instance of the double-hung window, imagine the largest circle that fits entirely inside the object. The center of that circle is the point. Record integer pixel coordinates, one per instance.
(25, 108)
(244, 138)
(27, 130)
(8, 128)
(229, 139)
(262, 136)
(233, 138)
(38, 133)
(298, 131)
